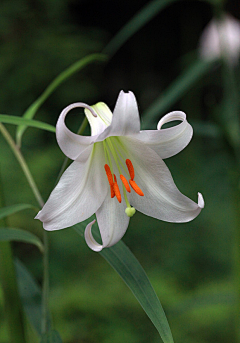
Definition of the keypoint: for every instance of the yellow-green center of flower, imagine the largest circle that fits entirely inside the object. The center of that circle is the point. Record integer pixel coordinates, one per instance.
(112, 150)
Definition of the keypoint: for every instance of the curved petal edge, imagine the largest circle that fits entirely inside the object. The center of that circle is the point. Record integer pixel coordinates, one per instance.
(91, 242)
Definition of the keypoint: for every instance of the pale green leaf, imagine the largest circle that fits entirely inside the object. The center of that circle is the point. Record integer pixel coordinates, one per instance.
(12, 234)
(63, 76)
(30, 294)
(7, 119)
(7, 211)
(132, 273)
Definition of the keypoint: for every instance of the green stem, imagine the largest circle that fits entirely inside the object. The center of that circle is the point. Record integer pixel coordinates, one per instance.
(39, 199)
(22, 163)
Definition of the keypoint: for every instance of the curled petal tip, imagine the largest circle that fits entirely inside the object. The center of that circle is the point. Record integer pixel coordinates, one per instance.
(175, 115)
(90, 240)
(200, 201)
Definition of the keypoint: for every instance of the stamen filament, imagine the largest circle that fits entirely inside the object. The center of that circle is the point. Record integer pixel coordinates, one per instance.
(108, 156)
(136, 188)
(113, 153)
(115, 146)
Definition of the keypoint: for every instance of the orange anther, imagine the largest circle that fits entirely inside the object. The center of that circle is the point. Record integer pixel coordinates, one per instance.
(109, 174)
(136, 188)
(115, 179)
(130, 168)
(117, 192)
(124, 181)
(112, 191)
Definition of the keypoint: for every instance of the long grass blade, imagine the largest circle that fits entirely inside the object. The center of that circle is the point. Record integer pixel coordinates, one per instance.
(132, 273)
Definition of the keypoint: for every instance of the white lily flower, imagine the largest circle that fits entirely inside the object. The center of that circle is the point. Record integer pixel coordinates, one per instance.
(116, 171)
(221, 38)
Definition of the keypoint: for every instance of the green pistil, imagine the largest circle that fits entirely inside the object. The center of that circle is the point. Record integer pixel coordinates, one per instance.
(125, 197)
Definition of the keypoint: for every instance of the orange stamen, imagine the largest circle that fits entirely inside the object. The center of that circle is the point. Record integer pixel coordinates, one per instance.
(130, 168)
(136, 188)
(110, 179)
(116, 190)
(112, 191)
(109, 174)
(124, 181)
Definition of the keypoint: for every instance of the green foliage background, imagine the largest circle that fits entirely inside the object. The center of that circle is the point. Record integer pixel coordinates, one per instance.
(190, 265)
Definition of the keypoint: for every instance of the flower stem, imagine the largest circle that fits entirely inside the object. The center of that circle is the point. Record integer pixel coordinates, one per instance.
(22, 163)
(39, 199)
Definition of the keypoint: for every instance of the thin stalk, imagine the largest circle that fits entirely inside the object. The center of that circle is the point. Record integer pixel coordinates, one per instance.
(22, 163)
(33, 186)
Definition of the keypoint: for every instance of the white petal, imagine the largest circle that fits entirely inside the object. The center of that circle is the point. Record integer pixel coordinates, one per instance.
(125, 119)
(102, 121)
(162, 199)
(91, 242)
(70, 143)
(112, 221)
(221, 38)
(168, 142)
(79, 193)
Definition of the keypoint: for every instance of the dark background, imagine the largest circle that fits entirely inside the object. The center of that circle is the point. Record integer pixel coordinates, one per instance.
(191, 266)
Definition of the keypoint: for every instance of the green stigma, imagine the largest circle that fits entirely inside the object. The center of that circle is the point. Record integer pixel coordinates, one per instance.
(130, 211)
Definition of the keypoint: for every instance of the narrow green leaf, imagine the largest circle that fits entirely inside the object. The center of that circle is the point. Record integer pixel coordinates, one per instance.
(51, 337)
(176, 90)
(132, 273)
(63, 76)
(12, 234)
(30, 294)
(7, 211)
(7, 119)
(135, 24)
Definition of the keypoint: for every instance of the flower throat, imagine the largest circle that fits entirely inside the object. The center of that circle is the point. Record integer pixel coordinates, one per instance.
(111, 149)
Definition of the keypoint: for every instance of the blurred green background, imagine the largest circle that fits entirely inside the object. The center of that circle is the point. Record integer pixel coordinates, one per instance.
(191, 266)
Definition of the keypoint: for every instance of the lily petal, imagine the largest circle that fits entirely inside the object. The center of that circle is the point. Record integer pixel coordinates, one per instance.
(70, 143)
(162, 199)
(168, 142)
(102, 121)
(91, 242)
(112, 221)
(79, 193)
(125, 119)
